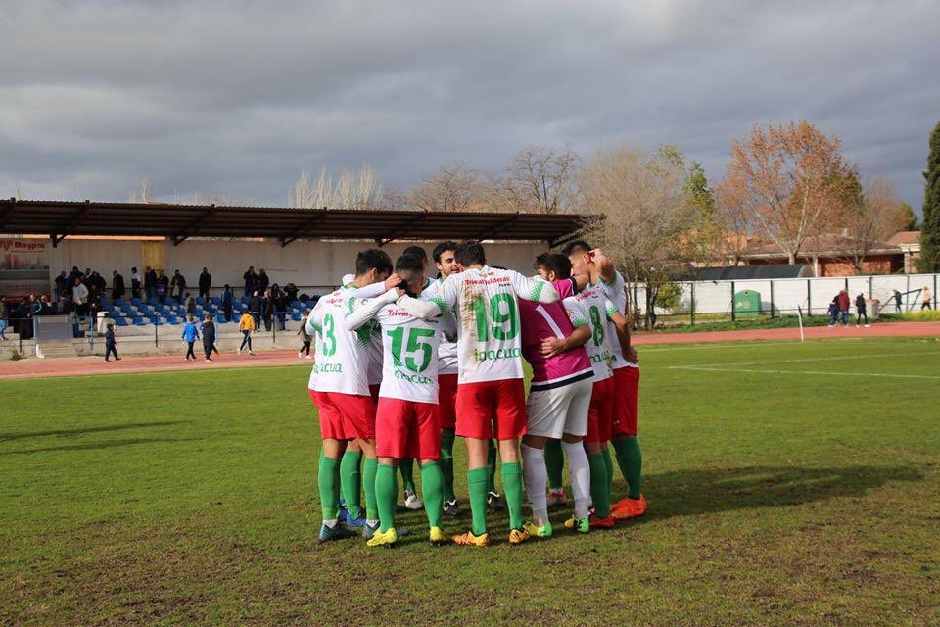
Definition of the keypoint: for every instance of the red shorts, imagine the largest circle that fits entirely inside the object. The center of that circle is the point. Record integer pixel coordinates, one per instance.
(627, 394)
(447, 399)
(491, 409)
(407, 430)
(344, 416)
(601, 412)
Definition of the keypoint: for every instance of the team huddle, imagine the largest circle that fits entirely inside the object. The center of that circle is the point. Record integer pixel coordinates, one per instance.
(404, 363)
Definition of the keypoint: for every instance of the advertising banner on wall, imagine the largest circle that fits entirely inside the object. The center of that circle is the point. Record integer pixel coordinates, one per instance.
(24, 266)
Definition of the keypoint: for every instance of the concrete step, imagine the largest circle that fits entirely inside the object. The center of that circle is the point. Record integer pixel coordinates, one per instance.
(49, 350)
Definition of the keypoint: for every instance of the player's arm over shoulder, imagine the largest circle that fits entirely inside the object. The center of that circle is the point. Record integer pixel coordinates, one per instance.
(535, 289)
(362, 310)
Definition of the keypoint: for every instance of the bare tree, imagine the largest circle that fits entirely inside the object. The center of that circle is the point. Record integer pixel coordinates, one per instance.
(734, 226)
(143, 193)
(647, 213)
(539, 179)
(872, 215)
(452, 188)
(350, 190)
(787, 179)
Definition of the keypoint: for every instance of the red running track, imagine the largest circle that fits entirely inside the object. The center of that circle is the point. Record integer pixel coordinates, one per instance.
(74, 366)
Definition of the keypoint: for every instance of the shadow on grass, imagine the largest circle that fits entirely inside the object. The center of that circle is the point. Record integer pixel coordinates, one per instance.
(6, 437)
(689, 492)
(92, 446)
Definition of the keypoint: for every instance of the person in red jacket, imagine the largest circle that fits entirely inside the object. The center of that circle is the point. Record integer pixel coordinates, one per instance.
(844, 303)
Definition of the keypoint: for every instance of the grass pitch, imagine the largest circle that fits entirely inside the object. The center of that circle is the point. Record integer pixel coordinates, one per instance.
(787, 483)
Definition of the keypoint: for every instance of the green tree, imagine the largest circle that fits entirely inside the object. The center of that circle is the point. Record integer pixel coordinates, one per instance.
(930, 230)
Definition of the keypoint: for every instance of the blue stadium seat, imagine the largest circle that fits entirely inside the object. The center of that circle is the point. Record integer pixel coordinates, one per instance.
(220, 318)
(137, 302)
(297, 316)
(121, 322)
(216, 301)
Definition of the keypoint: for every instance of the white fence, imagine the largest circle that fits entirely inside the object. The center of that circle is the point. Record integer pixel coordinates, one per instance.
(784, 296)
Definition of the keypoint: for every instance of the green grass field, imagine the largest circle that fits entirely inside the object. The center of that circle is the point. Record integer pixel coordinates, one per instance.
(787, 483)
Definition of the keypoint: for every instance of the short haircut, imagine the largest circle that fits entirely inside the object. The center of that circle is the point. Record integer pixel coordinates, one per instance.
(470, 253)
(577, 246)
(442, 248)
(559, 264)
(373, 258)
(410, 263)
(417, 251)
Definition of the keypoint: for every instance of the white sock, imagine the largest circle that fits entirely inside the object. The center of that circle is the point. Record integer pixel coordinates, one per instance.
(536, 478)
(331, 522)
(580, 477)
(371, 523)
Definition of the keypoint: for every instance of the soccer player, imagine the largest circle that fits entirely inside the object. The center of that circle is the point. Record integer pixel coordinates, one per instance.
(600, 271)
(443, 256)
(339, 387)
(408, 421)
(490, 388)
(559, 396)
(590, 307)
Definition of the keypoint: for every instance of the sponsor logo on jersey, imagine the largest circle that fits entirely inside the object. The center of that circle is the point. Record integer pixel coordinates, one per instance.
(334, 367)
(413, 378)
(499, 353)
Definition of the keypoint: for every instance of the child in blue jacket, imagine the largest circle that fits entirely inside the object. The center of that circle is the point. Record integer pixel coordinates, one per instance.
(190, 335)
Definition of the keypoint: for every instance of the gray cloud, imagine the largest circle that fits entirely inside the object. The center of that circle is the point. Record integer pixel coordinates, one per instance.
(237, 98)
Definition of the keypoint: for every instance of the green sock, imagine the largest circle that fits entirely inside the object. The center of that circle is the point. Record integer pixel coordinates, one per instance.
(610, 470)
(478, 484)
(432, 491)
(406, 468)
(631, 463)
(386, 495)
(327, 487)
(369, 468)
(447, 463)
(351, 482)
(511, 473)
(491, 467)
(554, 464)
(600, 492)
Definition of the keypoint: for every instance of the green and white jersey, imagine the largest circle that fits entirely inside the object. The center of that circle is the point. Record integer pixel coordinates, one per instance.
(591, 307)
(489, 342)
(616, 293)
(447, 351)
(374, 347)
(341, 362)
(410, 342)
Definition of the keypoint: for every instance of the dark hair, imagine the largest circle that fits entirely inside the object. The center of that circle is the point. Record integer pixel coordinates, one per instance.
(442, 248)
(559, 264)
(373, 258)
(417, 251)
(409, 262)
(577, 246)
(470, 253)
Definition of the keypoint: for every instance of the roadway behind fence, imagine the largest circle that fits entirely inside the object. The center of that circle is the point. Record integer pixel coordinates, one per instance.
(707, 301)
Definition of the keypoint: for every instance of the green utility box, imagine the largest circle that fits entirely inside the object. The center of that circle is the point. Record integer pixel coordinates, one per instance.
(747, 302)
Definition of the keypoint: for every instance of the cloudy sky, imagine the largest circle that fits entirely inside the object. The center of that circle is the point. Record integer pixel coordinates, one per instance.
(235, 98)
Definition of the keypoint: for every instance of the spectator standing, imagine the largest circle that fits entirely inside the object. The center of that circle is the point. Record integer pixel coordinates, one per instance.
(861, 310)
(208, 337)
(3, 318)
(263, 281)
(178, 286)
(250, 280)
(190, 335)
(833, 311)
(897, 300)
(925, 298)
(80, 297)
(227, 298)
(150, 283)
(110, 343)
(60, 282)
(117, 286)
(247, 326)
(205, 283)
(267, 309)
(190, 305)
(305, 337)
(291, 290)
(254, 306)
(162, 287)
(844, 303)
(135, 283)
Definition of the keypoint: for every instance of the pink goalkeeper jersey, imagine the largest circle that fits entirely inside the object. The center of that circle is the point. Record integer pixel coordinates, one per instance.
(543, 321)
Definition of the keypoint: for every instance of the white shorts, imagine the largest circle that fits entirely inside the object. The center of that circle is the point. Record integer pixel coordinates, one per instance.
(560, 410)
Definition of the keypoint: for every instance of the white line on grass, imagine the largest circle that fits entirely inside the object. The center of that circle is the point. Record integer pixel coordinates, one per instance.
(812, 372)
(812, 359)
